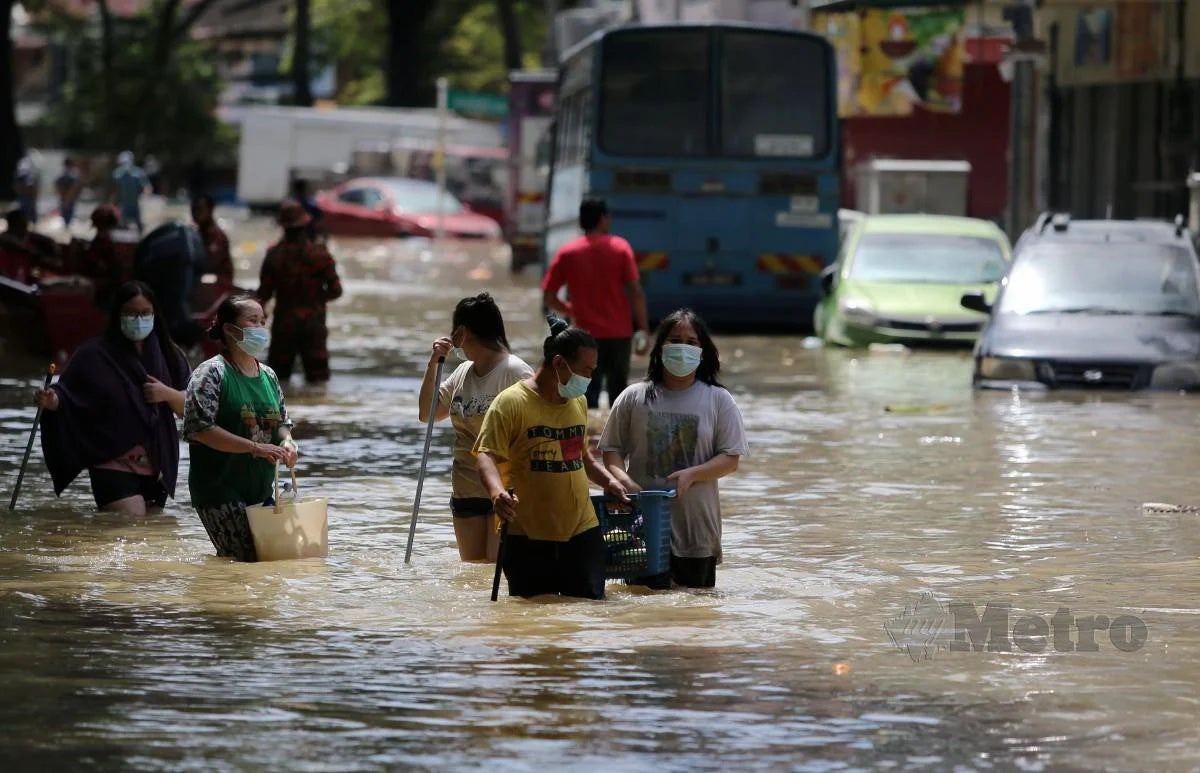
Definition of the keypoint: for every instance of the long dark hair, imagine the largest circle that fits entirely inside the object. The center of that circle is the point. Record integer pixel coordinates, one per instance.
(480, 314)
(564, 340)
(710, 358)
(227, 314)
(161, 331)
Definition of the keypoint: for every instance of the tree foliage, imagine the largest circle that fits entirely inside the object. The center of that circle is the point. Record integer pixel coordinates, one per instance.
(460, 39)
(138, 83)
(473, 54)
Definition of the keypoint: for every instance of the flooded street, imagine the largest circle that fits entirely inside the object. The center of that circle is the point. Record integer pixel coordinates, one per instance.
(874, 480)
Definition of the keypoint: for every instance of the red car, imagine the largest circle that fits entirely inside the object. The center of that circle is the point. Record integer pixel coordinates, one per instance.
(387, 207)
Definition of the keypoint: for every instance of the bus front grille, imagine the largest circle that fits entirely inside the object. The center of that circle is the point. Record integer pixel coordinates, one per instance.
(787, 184)
(641, 181)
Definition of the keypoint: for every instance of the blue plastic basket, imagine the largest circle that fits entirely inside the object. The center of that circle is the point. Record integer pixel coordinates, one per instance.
(637, 536)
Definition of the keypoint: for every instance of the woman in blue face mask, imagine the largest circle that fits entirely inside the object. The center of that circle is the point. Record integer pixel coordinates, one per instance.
(485, 368)
(679, 429)
(536, 432)
(237, 423)
(112, 412)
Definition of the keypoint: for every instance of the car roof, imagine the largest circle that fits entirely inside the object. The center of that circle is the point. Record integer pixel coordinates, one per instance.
(1152, 231)
(948, 225)
(389, 182)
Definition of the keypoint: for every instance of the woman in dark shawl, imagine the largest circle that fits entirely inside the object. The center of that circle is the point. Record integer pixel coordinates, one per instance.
(113, 411)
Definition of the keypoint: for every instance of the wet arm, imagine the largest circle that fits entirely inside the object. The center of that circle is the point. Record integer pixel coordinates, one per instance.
(175, 400)
(551, 284)
(284, 432)
(637, 300)
(717, 467)
(489, 474)
(597, 474)
(223, 440)
(428, 386)
(616, 467)
(551, 301)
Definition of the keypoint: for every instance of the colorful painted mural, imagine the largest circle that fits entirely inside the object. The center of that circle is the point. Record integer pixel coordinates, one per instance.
(892, 61)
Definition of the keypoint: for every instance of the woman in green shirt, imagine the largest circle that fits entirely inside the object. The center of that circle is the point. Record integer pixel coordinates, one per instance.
(237, 424)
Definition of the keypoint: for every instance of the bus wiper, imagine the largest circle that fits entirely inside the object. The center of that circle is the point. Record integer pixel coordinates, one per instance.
(1171, 313)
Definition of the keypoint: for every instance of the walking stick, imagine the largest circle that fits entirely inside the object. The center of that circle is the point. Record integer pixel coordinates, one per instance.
(412, 525)
(37, 418)
(499, 559)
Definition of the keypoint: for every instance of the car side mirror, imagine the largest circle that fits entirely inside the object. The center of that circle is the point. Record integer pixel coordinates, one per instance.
(975, 301)
(827, 276)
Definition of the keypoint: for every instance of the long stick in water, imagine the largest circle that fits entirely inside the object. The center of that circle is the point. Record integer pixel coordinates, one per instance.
(499, 559)
(37, 420)
(437, 386)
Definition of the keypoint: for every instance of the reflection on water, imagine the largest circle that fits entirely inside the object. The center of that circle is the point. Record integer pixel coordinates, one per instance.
(872, 477)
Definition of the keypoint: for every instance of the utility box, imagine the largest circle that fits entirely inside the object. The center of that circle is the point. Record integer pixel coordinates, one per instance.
(904, 186)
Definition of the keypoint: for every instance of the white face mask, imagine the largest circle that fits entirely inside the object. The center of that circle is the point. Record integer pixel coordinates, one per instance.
(681, 360)
(576, 385)
(135, 327)
(256, 341)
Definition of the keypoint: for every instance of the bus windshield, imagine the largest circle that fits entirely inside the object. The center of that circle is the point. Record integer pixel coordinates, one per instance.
(654, 93)
(657, 95)
(775, 97)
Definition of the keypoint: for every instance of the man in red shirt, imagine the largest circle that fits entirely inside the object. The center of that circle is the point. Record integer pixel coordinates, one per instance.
(605, 297)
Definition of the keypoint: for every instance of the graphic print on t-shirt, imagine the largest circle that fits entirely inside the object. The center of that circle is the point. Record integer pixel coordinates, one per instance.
(556, 449)
(260, 430)
(469, 407)
(670, 440)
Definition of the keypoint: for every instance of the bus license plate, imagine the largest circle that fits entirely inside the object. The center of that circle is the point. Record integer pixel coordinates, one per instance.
(712, 279)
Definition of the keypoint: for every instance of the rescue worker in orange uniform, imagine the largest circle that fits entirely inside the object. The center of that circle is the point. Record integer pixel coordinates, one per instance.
(302, 277)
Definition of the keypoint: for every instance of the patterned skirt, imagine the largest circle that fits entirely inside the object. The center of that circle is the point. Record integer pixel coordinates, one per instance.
(229, 529)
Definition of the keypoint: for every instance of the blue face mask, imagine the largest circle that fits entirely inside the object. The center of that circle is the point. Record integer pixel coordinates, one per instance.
(681, 360)
(136, 328)
(256, 341)
(576, 386)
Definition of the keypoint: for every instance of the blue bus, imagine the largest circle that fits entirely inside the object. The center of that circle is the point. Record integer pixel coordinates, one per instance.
(717, 150)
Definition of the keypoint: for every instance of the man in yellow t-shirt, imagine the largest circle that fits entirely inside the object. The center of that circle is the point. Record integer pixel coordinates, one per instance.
(534, 441)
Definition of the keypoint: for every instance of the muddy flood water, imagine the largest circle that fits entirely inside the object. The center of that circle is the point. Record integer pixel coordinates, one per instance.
(882, 500)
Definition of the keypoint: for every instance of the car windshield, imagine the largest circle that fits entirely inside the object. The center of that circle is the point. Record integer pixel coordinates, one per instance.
(1103, 278)
(928, 258)
(421, 197)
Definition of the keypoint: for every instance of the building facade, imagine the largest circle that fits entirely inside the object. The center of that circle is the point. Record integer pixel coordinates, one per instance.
(1123, 106)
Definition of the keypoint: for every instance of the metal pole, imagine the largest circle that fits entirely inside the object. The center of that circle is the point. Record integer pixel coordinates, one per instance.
(437, 394)
(443, 100)
(37, 420)
(1017, 148)
(550, 49)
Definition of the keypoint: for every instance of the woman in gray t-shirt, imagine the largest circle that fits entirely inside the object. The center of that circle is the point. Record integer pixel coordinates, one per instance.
(679, 429)
(477, 337)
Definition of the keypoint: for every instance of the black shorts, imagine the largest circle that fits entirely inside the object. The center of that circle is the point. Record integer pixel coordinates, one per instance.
(687, 572)
(110, 485)
(572, 568)
(470, 507)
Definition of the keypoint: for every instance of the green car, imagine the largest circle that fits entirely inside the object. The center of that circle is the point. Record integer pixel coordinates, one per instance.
(900, 279)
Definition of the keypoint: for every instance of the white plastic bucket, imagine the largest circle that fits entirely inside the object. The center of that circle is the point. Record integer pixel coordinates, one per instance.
(296, 528)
